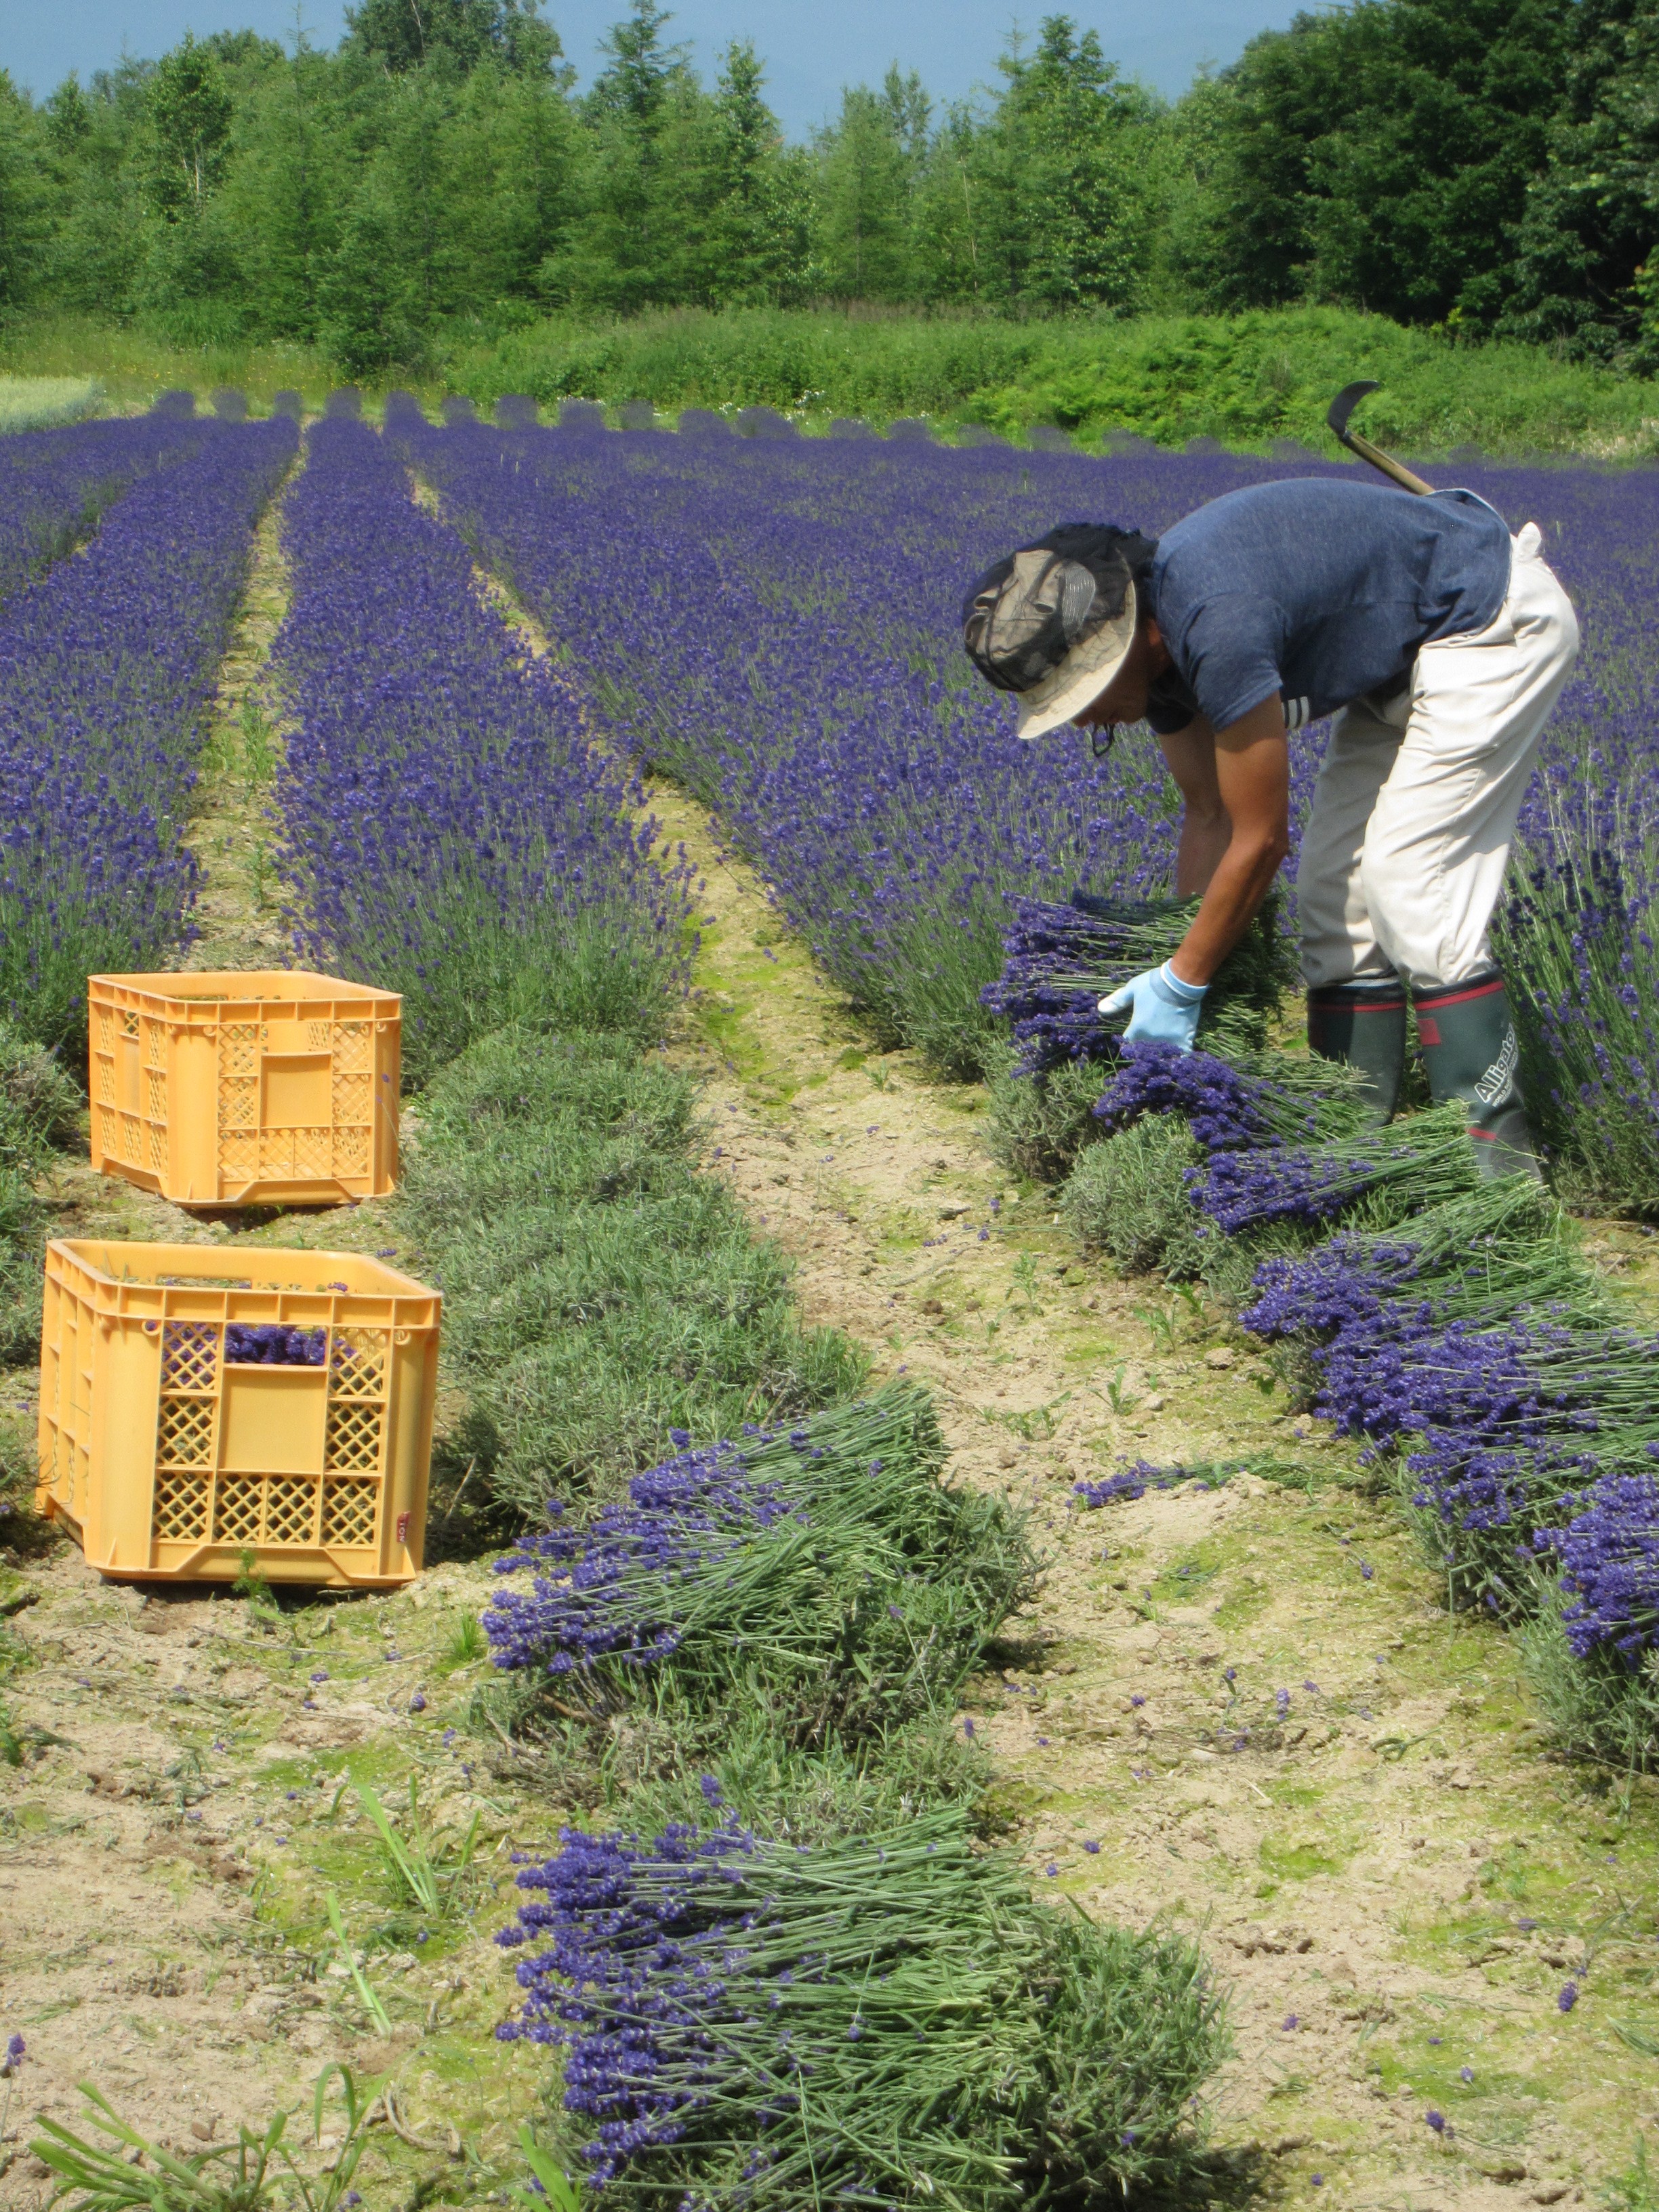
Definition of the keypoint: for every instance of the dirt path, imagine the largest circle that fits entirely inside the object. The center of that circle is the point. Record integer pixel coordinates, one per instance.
(237, 906)
(1253, 1715)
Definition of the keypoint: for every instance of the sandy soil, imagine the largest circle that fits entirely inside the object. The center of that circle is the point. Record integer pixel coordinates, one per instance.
(1393, 1877)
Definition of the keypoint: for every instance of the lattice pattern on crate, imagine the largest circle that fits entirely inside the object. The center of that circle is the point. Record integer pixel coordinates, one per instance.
(129, 1022)
(183, 1433)
(353, 1437)
(181, 1510)
(158, 1146)
(109, 1127)
(357, 1362)
(239, 1155)
(354, 1048)
(156, 1044)
(107, 1082)
(265, 1509)
(106, 1029)
(348, 1511)
(352, 1096)
(155, 1093)
(239, 1047)
(298, 1154)
(351, 1152)
(132, 1130)
(239, 1102)
(189, 1355)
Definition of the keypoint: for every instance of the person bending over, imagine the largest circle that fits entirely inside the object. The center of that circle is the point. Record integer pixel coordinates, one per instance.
(1440, 642)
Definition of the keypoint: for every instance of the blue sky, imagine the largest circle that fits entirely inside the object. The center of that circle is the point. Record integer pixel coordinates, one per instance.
(810, 49)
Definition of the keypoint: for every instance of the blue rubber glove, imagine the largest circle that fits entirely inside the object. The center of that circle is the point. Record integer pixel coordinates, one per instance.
(1166, 1010)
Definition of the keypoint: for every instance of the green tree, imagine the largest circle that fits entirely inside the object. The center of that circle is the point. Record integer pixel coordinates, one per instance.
(190, 111)
(1042, 202)
(289, 178)
(1588, 240)
(868, 167)
(404, 35)
(24, 213)
(621, 248)
(363, 327)
(100, 165)
(1380, 155)
(734, 201)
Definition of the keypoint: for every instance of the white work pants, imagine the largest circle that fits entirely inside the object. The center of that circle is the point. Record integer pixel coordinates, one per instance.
(1403, 857)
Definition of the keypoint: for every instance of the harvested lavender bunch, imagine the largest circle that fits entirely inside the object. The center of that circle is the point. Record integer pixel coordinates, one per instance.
(1224, 1109)
(1414, 1164)
(1060, 961)
(274, 1344)
(1609, 1561)
(877, 2021)
(1477, 1341)
(1055, 1021)
(825, 1567)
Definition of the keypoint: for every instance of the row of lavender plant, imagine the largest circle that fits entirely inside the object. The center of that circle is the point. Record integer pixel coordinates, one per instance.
(54, 485)
(1577, 931)
(448, 831)
(106, 667)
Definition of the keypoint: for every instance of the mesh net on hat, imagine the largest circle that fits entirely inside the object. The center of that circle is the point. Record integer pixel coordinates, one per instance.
(1035, 606)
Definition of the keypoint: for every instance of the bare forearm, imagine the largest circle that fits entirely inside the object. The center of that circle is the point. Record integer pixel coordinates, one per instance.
(1205, 837)
(1242, 879)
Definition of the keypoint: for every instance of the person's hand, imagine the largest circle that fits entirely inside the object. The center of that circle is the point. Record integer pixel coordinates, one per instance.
(1165, 1010)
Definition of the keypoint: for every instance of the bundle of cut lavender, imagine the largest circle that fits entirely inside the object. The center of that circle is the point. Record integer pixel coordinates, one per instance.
(875, 2021)
(1476, 1339)
(825, 1569)
(1236, 1100)
(1060, 961)
(1393, 1172)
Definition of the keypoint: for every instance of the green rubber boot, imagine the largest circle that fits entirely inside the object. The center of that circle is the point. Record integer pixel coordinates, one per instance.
(1470, 1052)
(1364, 1026)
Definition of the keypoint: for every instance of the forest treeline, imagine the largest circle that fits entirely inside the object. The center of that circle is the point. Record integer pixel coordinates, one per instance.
(1486, 167)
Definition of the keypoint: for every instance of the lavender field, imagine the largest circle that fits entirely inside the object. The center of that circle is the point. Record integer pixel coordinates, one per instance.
(773, 624)
(863, 1373)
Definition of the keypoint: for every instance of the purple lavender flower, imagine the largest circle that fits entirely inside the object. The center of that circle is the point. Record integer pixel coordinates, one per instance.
(441, 798)
(1568, 1998)
(274, 1344)
(106, 666)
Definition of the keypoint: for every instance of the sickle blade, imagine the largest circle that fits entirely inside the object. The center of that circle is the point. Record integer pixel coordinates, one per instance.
(1344, 404)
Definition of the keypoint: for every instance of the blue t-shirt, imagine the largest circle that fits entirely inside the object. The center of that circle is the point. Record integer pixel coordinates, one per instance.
(1316, 590)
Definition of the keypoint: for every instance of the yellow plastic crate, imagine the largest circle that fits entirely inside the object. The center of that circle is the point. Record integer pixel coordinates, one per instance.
(245, 1088)
(170, 1461)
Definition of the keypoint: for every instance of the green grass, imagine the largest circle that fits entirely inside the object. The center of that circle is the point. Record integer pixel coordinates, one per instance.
(599, 1292)
(39, 403)
(1245, 378)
